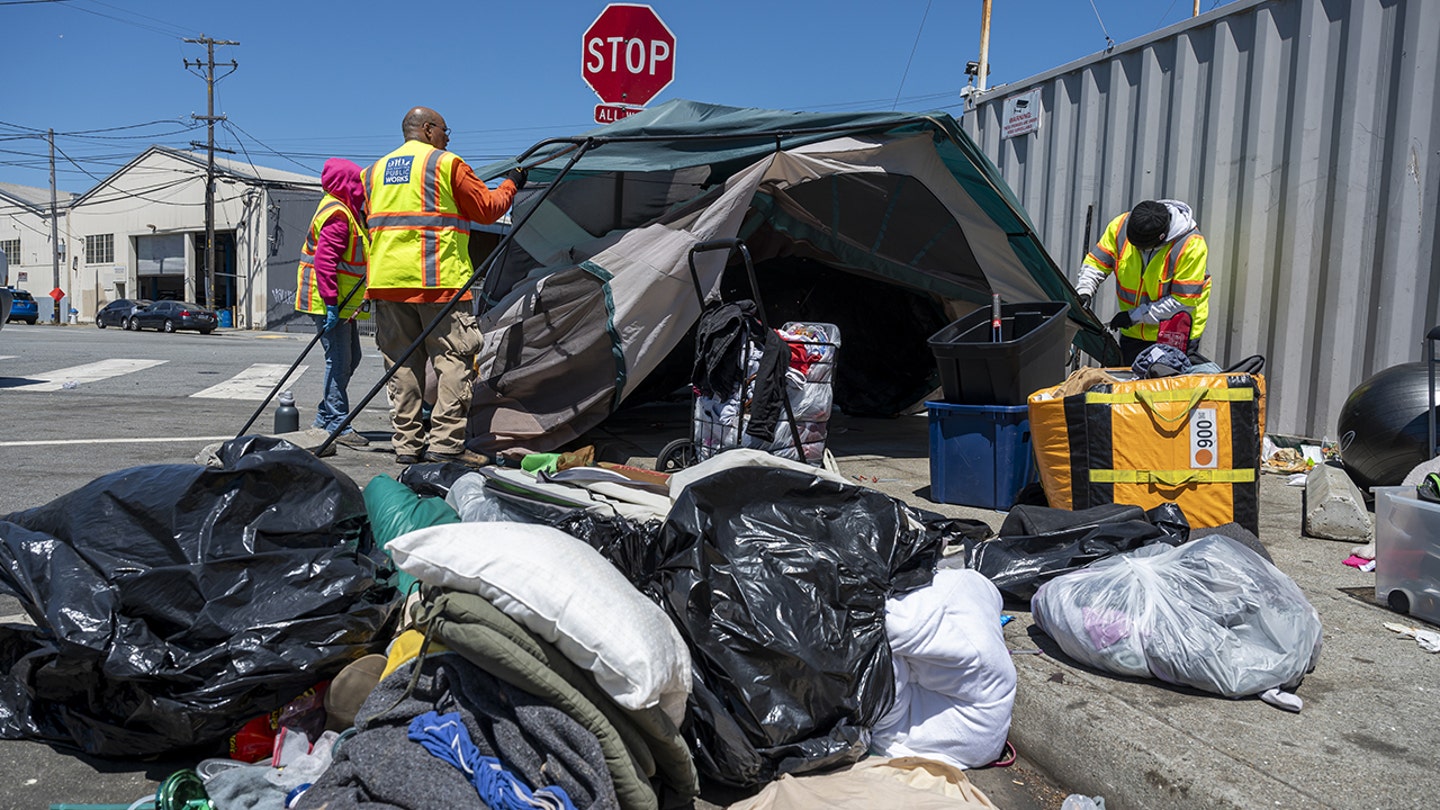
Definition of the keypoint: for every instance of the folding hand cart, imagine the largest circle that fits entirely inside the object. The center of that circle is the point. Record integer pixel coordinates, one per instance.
(742, 414)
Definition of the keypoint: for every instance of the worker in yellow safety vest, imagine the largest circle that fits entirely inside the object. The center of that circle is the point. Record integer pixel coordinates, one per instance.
(421, 201)
(332, 267)
(1159, 260)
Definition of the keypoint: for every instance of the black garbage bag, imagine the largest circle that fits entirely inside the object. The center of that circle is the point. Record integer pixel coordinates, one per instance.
(173, 602)
(629, 545)
(433, 478)
(777, 580)
(1037, 543)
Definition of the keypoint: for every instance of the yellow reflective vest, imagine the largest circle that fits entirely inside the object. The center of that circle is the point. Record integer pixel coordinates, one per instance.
(349, 270)
(1176, 268)
(418, 238)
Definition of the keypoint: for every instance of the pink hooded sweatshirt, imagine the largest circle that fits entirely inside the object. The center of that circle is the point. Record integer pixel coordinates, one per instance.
(341, 179)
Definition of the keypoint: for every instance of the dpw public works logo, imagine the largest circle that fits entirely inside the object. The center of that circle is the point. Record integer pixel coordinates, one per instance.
(397, 170)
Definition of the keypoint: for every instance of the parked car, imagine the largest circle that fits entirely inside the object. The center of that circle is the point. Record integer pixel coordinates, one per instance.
(23, 307)
(168, 316)
(118, 312)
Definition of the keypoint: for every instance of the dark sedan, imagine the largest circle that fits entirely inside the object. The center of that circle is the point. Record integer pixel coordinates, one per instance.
(170, 316)
(118, 312)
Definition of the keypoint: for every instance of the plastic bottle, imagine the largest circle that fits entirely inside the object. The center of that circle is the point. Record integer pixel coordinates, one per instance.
(287, 416)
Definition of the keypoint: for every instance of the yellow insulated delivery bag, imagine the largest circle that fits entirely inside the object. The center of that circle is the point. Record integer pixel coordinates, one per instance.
(1192, 439)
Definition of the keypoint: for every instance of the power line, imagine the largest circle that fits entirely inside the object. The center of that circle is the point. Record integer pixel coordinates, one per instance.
(1161, 21)
(126, 126)
(1109, 43)
(182, 30)
(29, 2)
(151, 28)
(243, 150)
(78, 166)
(272, 149)
(913, 47)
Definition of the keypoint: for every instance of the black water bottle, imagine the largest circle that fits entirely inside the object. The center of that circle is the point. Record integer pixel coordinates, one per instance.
(287, 416)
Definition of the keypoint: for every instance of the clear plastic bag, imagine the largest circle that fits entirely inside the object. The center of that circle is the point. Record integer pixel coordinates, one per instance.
(476, 503)
(1210, 614)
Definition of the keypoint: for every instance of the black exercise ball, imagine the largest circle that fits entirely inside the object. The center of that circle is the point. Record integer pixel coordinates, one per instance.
(1383, 427)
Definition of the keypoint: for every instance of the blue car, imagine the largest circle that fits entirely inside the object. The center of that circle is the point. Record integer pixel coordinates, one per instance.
(23, 307)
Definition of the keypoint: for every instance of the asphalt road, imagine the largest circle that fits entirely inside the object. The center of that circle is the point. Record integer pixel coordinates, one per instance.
(77, 402)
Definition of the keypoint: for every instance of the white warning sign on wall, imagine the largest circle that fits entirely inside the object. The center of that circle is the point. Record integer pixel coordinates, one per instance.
(1021, 114)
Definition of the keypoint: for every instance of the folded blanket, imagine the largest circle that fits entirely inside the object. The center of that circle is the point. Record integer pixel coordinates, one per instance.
(954, 679)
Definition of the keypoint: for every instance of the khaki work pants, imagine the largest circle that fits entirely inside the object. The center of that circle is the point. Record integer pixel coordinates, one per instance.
(452, 348)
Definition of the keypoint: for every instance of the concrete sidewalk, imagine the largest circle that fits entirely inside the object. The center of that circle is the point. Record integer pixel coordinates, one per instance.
(1367, 736)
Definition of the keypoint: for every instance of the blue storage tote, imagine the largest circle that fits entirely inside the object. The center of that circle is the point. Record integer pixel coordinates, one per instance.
(979, 454)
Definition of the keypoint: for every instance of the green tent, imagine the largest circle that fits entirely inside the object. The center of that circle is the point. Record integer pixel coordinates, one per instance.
(889, 225)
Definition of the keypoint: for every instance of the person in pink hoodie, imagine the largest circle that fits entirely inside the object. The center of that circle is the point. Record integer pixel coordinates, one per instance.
(331, 288)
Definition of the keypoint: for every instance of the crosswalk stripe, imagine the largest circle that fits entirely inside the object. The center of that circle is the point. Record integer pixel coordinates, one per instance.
(87, 373)
(139, 440)
(253, 383)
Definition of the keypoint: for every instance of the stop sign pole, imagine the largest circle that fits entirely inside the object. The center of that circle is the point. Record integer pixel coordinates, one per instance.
(627, 58)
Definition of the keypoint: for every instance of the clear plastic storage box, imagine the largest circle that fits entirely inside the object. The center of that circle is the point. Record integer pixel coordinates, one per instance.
(1407, 552)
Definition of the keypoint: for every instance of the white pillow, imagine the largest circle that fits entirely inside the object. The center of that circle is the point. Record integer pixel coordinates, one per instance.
(562, 590)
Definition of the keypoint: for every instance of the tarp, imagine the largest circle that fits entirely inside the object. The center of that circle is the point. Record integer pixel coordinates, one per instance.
(595, 291)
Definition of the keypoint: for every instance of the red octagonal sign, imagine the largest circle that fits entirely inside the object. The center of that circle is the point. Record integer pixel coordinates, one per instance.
(629, 54)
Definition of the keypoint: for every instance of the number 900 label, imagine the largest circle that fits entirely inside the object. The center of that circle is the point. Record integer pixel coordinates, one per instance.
(1204, 447)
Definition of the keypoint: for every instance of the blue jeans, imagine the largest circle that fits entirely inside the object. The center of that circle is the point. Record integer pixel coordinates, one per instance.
(342, 357)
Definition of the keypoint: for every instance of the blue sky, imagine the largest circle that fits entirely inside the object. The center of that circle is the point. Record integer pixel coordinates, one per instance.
(318, 78)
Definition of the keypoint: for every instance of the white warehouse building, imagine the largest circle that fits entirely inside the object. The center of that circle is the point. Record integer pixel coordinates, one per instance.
(140, 233)
(25, 239)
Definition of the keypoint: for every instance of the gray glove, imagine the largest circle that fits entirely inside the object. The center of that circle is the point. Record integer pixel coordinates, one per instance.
(1084, 301)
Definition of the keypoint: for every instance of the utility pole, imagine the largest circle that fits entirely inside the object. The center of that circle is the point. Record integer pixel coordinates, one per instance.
(210, 118)
(984, 45)
(1197, 9)
(54, 227)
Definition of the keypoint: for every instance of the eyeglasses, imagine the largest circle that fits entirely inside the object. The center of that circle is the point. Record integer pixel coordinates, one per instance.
(433, 124)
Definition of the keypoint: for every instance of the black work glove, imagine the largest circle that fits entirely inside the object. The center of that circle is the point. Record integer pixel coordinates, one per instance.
(518, 176)
(1121, 320)
(1084, 301)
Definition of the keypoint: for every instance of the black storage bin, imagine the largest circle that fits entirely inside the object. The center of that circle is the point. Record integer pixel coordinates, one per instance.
(975, 370)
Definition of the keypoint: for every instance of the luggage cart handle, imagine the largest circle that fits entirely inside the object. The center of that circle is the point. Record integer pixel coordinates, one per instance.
(728, 243)
(1430, 338)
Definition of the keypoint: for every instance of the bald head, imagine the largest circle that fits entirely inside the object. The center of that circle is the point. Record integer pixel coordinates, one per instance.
(424, 124)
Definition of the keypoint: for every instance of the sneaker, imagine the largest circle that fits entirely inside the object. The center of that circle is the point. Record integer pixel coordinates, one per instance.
(351, 438)
(465, 457)
(1429, 488)
(407, 458)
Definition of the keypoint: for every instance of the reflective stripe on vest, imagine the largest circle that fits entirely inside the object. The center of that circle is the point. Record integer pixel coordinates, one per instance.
(1130, 277)
(350, 267)
(419, 239)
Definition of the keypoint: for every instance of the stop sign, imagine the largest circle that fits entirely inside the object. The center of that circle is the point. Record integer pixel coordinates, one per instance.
(628, 54)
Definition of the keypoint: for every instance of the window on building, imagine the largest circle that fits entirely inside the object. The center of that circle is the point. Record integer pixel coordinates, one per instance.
(11, 249)
(100, 249)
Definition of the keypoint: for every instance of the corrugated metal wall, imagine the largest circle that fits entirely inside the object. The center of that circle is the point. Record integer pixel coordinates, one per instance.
(1304, 133)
